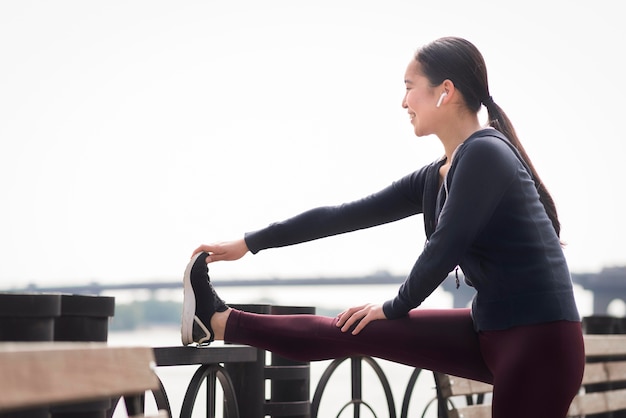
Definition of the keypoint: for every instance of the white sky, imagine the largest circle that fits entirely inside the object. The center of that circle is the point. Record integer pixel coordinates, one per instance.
(133, 131)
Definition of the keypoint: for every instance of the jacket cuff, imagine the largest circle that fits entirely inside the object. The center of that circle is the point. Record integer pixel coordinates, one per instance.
(252, 241)
(392, 311)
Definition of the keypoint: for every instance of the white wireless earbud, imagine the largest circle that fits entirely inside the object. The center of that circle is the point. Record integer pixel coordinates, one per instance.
(443, 95)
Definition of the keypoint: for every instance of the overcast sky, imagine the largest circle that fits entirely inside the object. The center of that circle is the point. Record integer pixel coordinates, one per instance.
(133, 131)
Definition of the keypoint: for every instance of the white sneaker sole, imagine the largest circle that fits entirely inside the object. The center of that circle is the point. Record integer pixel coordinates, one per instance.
(189, 305)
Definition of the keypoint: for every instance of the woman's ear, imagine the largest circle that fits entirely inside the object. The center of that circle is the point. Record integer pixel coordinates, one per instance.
(447, 93)
(448, 86)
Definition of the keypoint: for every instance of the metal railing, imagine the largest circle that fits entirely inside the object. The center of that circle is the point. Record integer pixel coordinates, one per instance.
(228, 364)
(242, 372)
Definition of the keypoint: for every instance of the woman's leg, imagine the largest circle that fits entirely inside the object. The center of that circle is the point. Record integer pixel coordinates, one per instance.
(537, 369)
(442, 339)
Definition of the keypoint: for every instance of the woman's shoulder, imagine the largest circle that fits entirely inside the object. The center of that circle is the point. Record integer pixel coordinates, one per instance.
(488, 144)
(487, 151)
(488, 137)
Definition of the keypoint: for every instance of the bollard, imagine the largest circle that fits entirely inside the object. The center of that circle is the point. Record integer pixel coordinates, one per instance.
(28, 317)
(84, 318)
(290, 380)
(249, 378)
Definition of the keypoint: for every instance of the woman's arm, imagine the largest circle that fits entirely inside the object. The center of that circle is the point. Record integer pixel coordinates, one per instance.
(401, 199)
(388, 205)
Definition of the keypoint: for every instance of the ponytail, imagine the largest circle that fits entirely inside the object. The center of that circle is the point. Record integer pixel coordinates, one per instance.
(501, 122)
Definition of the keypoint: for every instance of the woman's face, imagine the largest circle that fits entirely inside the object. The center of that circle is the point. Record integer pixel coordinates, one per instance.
(420, 100)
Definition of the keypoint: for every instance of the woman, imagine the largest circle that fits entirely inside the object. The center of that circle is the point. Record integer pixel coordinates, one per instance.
(485, 210)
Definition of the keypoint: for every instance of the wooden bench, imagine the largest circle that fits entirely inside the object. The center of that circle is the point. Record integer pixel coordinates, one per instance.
(606, 365)
(53, 373)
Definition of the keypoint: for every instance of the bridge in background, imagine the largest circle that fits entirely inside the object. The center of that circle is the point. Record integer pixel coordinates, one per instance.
(607, 286)
(96, 288)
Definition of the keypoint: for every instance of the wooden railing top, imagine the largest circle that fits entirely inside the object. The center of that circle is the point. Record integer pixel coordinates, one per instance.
(35, 374)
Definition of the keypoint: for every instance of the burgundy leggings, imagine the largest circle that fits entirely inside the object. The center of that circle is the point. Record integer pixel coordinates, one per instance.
(536, 370)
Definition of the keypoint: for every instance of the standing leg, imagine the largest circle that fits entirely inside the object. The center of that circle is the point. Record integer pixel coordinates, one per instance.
(537, 369)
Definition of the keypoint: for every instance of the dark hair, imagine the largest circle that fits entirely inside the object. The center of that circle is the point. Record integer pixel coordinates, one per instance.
(459, 61)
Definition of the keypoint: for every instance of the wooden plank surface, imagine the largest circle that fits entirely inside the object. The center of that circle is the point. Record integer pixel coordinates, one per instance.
(472, 411)
(48, 373)
(456, 386)
(605, 345)
(610, 371)
(598, 402)
(584, 404)
(160, 414)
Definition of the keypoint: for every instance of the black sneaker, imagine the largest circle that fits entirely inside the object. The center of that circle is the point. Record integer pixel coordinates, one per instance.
(200, 302)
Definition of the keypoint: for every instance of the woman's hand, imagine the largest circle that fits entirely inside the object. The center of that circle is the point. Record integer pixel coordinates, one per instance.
(223, 251)
(361, 316)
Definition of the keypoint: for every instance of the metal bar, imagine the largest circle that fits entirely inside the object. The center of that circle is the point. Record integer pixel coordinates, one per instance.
(357, 395)
(210, 395)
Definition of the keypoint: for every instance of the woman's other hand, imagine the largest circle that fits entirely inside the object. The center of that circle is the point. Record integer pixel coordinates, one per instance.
(223, 251)
(359, 316)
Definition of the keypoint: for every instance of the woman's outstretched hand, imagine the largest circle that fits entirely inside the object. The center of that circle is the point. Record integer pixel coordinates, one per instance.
(223, 251)
(361, 316)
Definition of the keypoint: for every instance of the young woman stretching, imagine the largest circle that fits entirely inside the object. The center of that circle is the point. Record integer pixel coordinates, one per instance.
(485, 209)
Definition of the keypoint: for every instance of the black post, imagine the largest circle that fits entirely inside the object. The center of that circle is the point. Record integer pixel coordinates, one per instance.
(290, 379)
(83, 318)
(28, 317)
(248, 378)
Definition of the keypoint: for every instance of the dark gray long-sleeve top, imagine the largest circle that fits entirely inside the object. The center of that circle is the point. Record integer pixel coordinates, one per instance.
(486, 218)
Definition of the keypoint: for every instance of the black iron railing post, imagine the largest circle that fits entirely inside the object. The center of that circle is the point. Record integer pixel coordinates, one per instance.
(357, 381)
(357, 388)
